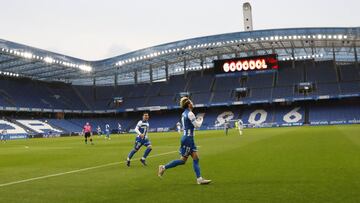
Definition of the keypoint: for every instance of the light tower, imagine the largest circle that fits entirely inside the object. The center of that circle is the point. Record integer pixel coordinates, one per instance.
(248, 25)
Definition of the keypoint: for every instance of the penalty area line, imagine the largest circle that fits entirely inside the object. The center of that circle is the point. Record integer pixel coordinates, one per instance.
(75, 171)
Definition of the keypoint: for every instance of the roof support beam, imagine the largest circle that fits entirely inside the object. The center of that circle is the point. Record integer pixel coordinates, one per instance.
(18, 65)
(185, 71)
(116, 78)
(8, 61)
(59, 73)
(262, 46)
(167, 70)
(41, 68)
(356, 57)
(151, 73)
(136, 77)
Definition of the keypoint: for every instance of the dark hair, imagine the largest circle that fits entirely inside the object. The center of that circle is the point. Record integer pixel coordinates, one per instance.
(146, 113)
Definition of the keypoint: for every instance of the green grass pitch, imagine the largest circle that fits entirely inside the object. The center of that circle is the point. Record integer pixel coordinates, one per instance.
(294, 164)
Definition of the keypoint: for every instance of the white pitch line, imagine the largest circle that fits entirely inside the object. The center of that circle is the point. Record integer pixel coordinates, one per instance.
(75, 171)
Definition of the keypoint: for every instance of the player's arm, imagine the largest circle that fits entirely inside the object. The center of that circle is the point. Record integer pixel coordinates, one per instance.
(137, 129)
(197, 122)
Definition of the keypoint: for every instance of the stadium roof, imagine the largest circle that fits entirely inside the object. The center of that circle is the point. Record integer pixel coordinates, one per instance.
(154, 63)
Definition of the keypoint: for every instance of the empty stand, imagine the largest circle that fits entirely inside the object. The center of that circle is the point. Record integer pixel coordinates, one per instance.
(204, 87)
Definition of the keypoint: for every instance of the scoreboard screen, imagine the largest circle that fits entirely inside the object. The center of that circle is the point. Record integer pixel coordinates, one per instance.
(246, 64)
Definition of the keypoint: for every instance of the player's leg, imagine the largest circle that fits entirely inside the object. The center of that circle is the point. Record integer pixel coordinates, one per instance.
(91, 140)
(133, 151)
(86, 136)
(196, 166)
(171, 164)
(146, 153)
(184, 151)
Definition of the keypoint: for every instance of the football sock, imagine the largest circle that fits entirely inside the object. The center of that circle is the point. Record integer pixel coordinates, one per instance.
(147, 152)
(174, 163)
(196, 167)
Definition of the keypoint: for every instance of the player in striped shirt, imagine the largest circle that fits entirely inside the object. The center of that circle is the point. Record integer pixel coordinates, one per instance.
(141, 130)
(188, 146)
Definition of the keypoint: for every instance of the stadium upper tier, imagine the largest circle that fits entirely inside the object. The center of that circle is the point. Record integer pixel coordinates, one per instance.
(162, 61)
(293, 81)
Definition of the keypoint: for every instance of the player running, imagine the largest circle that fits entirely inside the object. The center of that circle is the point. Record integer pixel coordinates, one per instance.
(107, 131)
(87, 133)
(240, 126)
(98, 130)
(119, 128)
(178, 127)
(141, 130)
(226, 127)
(3, 135)
(188, 147)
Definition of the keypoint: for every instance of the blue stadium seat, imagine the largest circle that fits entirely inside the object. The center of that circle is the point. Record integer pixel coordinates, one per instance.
(260, 80)
(288, 75)
(322, 72)
(349, 87)
(349, 72)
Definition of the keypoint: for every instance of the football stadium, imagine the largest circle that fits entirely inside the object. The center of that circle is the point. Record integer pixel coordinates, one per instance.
(276, 114)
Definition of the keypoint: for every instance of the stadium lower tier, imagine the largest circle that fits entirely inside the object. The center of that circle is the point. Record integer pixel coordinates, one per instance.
(296, 114)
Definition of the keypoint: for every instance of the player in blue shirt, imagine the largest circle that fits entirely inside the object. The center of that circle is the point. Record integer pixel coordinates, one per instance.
(98, 130)
(141, 130)
(107, 130)
(188, 147)
(119, 128)
(3, 135)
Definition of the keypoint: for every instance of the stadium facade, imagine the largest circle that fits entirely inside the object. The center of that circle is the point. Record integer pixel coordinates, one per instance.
(316, 82)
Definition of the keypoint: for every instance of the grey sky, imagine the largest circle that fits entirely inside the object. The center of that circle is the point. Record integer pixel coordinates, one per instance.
(93, 30)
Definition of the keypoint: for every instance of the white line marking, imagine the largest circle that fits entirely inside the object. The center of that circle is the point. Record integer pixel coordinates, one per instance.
(75, 171)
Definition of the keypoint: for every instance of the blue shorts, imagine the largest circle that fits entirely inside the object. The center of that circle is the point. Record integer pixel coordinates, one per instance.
(140, 142)
(187, 146)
